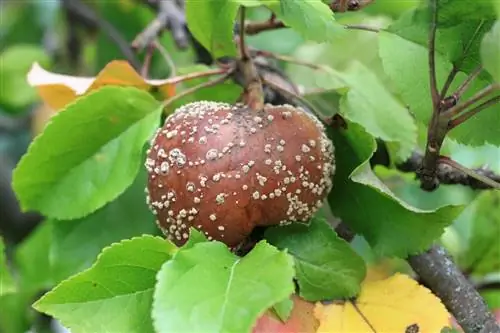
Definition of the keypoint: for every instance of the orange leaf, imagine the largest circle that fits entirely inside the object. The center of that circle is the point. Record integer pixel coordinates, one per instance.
(397, 304)
(58, 90)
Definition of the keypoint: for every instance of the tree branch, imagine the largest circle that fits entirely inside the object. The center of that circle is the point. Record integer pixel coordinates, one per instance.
(470, 173)
(467, 82)
(170, 15)
(438, 126)
(85, 13)
(252, 84)
(438, 272)
(448, 175)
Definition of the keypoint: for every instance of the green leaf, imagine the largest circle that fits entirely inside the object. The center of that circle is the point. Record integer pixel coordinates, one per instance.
(16, 314)
(452, 12)
(313, 20)
(115, 294)
(458, 43)
(406, 64)
(362, 98)
(32, 259)
(283, 309)
(326, 266)
(490, 51)
(206, 288)
(359, 198)
(211, 23)
(7, 284)
(483, 253)
(75, 244)
(88, 154)
(370, 104)
(15, 63)
(195, 237)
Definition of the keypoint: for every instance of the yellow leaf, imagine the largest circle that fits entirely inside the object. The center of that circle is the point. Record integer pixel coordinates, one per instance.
(57, 90)
(397, 304)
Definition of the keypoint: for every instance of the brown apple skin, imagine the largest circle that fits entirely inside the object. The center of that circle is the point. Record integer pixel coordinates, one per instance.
(225, 169)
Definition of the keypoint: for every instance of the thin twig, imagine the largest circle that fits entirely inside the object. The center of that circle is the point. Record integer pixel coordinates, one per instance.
(169, 16)
(465, 116)
(147, 62)
(438, 272)
(449, 81)
(292, 60)
(254, 28)
(166, 56)
(452, 100)
(244, 55)
(467, 82)
(361, 27)
(432, 56)
(197, 75)
(291, 96)
(474, 99)
(469, 172)
(196, 88)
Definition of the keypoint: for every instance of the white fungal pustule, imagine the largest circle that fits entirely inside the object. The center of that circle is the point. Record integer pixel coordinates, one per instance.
(225, 169)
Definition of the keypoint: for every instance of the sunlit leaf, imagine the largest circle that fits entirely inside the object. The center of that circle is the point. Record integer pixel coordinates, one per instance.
(230, 294)
(396, 304)
(99, 157)
(115, 294)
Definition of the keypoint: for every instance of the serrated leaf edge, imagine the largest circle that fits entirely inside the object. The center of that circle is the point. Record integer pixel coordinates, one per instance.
(269, 307)
(106, 249)
(61, 113)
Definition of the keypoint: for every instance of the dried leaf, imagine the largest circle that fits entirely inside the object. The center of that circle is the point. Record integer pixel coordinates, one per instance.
(58, 90)
(395, 304)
